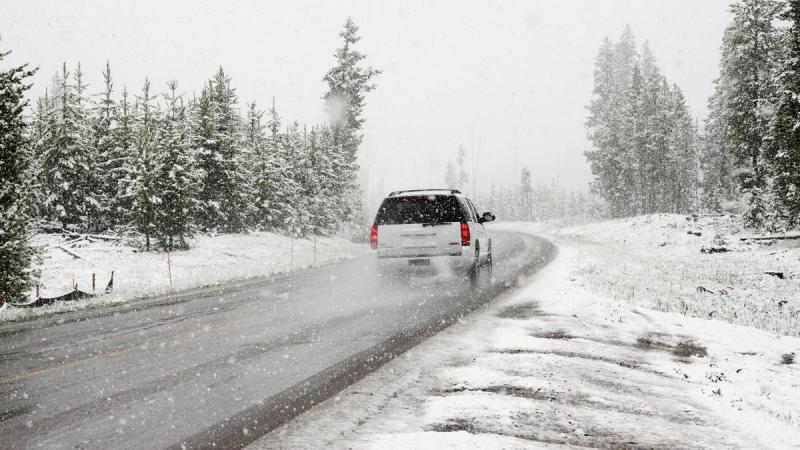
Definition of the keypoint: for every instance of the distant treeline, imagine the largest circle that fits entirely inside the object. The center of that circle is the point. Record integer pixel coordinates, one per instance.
(539, 202)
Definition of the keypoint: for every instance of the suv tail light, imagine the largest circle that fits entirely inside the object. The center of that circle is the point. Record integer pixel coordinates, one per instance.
(373, 236)
(465, 235)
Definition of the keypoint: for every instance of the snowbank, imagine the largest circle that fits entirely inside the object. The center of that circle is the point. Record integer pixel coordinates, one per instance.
(211, 260)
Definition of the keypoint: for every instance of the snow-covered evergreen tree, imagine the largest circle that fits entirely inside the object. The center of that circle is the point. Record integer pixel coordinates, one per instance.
(177, 177)
(16, 252)
(680, 182)
(526, 195)
(225, 193)
(65, 163)
(749, 55)
(40, 138)
(90, 183)
(103, 123)
(450, 177)
(643, 152)
(461, 160)
(119, 161)
(143, 168)
(783, 143)
(348, 83)
(717, 165)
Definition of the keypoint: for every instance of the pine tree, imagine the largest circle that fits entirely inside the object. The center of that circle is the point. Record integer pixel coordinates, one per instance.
(348, 84)
(16, 252)
(783, 146)
(611, 130)
(643, 152)
(90, 190)
(717, 166)
(461, 159)
(225, 193)
(103, 142)
(280, 189)
(119, 162)
(40, 139)
(526, 195)
(65, 163)
(680, 157)
(255, 140)
(143, 169)
(177, 178)
(450, 177)
(749, 54)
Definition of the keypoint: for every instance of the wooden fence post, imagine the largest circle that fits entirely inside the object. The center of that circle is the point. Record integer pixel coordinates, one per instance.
(169, 269)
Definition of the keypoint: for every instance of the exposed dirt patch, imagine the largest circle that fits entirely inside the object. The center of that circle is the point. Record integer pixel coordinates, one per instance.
(650, 343)
(685, 349)
(628, 364)
(576, 399)
(454, 425)
(557, 334)
(521, 311)
(619, 362)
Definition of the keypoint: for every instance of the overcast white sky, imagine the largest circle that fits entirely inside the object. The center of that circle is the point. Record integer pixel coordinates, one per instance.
(510, 78)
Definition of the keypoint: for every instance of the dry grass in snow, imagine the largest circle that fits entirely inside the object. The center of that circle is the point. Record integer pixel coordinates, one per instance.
(658, 262)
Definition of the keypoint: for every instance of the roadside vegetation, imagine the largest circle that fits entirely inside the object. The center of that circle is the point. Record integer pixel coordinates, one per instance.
(155, 168)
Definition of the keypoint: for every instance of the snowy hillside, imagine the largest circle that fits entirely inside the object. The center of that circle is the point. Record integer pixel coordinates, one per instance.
(210, 261)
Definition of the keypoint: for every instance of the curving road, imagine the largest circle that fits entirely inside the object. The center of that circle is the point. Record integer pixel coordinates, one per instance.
(225, 366)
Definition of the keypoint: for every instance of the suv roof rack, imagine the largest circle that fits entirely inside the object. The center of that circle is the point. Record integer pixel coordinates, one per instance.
(452, 191)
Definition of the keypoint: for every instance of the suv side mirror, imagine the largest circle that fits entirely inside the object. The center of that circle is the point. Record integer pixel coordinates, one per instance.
(486, 217)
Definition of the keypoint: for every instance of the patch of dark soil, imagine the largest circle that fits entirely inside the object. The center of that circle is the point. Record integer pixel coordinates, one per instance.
(557, 334)
(628, 364)
(454, 425)
(685, 349)
(650, 343)
(580, 400)
(521, 311)
(623, 363)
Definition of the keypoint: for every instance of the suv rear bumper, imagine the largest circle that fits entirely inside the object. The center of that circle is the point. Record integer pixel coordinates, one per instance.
(453, 251)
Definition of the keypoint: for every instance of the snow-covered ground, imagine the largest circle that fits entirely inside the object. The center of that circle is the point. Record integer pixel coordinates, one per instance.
(656, 261)
(558, 363)
(212, 260)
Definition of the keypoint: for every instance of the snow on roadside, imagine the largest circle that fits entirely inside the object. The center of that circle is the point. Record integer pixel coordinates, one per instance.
(553, 364)
(212, 260)
(656, 261)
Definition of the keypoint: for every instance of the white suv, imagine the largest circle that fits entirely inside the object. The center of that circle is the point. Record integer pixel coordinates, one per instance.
(432, 226)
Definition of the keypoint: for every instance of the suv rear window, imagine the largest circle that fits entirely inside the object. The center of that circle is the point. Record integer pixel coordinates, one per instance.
(419, 209)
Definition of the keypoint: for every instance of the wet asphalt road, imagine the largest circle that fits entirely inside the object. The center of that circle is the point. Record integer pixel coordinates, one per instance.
(222, 367)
